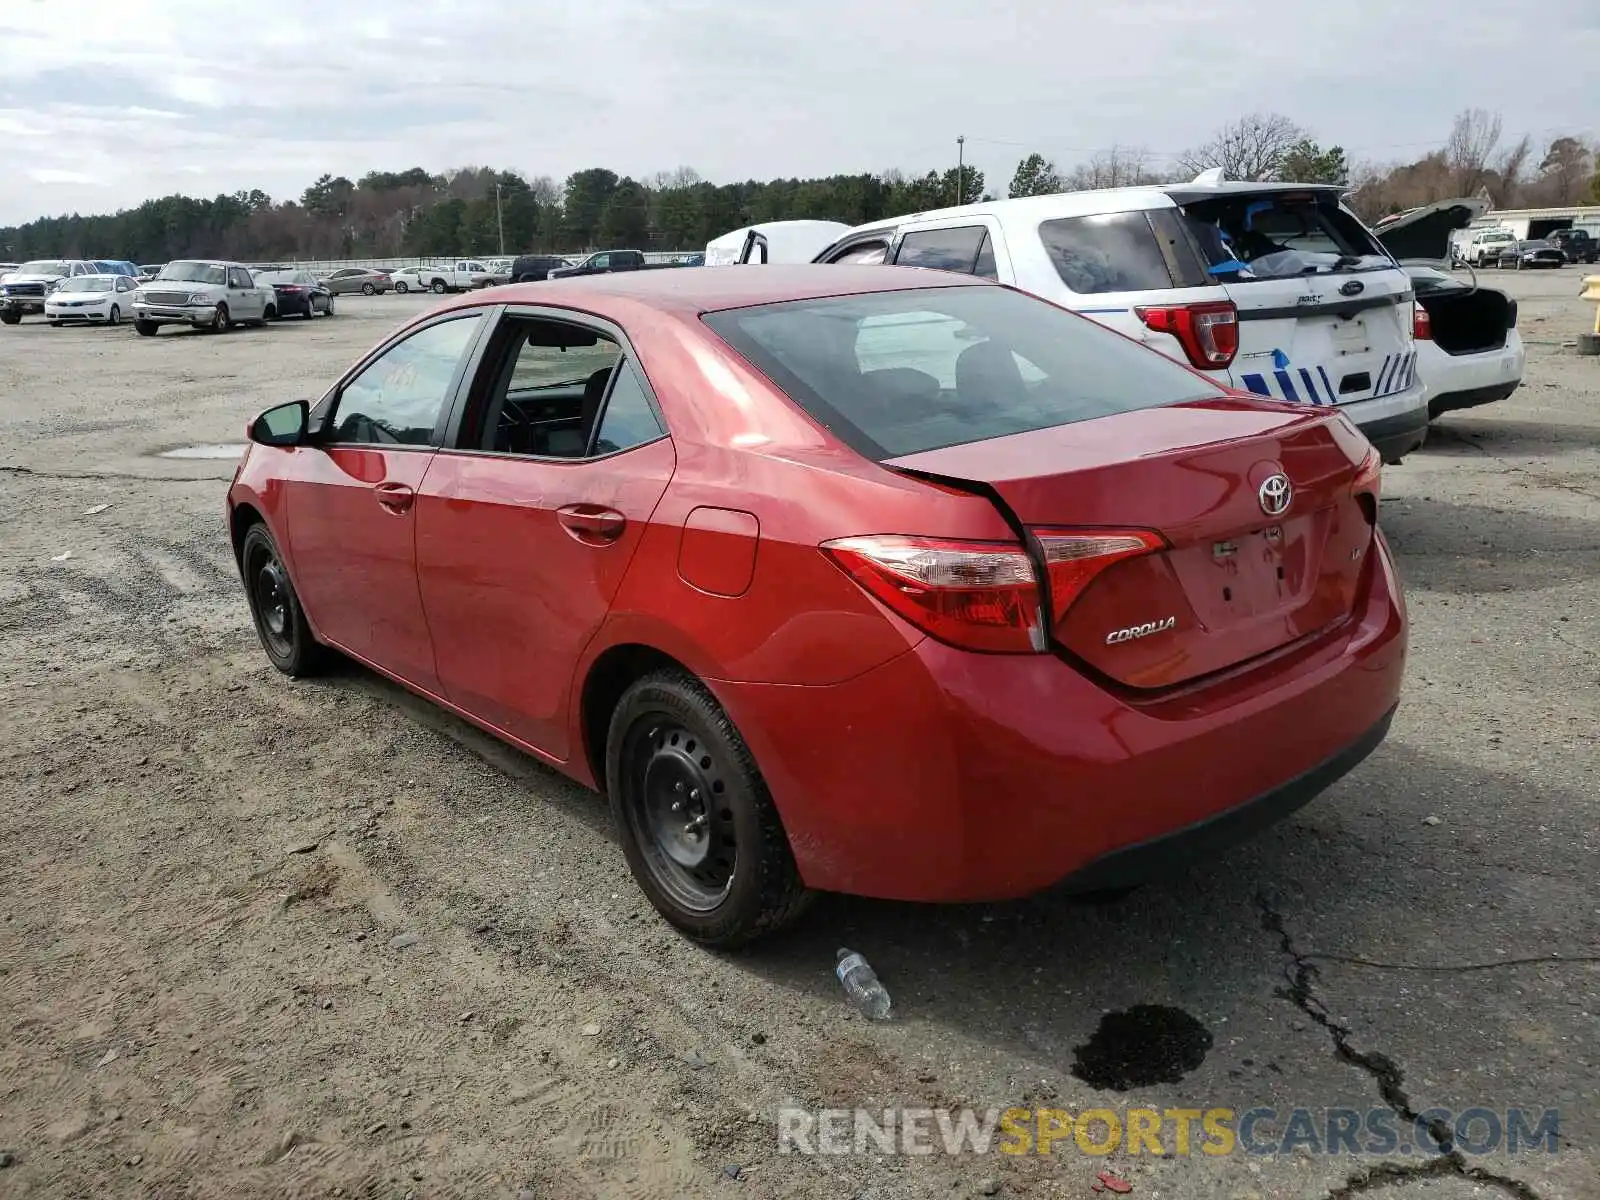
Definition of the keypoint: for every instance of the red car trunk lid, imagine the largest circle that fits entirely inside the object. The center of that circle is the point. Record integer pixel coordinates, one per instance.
(1238, 578)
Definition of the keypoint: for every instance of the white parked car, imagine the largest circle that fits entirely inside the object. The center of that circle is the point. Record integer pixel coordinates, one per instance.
(408, 279)
(1276, 289)
(91, 299)
(1468, 349)
(204, 294)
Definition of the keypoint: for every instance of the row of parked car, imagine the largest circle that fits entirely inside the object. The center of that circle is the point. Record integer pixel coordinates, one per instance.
(1502, 248)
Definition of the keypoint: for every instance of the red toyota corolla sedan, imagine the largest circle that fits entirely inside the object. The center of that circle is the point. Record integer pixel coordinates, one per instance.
(866, 579)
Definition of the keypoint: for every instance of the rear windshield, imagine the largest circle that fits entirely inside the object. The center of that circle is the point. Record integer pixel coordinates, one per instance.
(895, 373)
(1253, 235)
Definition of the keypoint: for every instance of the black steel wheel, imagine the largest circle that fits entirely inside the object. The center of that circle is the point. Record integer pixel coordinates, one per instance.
(699, 829)
(280, 622)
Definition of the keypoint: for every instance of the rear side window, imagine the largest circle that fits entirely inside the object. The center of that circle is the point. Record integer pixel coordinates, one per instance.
(953, 249)
(1112, 252)
(896, 373)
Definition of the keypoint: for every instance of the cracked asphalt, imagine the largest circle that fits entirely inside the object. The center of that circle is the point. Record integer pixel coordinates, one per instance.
(262, 938)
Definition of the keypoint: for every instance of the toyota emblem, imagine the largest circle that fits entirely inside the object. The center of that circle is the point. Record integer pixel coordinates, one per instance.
(1276, 494)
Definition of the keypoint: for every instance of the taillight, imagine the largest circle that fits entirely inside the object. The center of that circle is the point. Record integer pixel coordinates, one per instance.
(976, 595)
(1208, 333)
(1511, 313)
(1421, 323)
(1074, 558)
(1366, 485)
(983, 595)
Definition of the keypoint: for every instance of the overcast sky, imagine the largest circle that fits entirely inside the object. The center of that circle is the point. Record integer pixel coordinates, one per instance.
(103, 105)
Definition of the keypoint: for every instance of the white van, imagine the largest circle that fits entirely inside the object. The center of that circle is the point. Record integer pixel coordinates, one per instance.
(1276, 289)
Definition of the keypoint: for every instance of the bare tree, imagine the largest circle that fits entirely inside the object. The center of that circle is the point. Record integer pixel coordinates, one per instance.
(1120, 166)
(1252, 148)
(1473, 137)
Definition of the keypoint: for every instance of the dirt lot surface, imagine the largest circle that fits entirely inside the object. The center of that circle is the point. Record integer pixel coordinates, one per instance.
(272, 938)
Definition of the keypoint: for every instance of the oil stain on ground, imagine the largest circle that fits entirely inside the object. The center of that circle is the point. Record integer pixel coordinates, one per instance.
(1144, 1045)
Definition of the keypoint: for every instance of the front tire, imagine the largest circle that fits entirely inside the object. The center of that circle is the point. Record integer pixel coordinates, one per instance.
(145, 328)
(401, 287)
(10, 318)
(699, 829)
(274, 607)
(114, 317)
(270, 313)
(221, 321)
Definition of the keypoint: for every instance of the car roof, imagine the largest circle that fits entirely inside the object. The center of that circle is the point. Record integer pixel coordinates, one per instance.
(1094, 202)
(694, 290)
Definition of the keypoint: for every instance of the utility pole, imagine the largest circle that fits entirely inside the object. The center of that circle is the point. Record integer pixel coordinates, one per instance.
(961, 169)
(498, 219)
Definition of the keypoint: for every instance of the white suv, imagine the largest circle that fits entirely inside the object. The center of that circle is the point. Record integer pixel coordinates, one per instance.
(1275, 289)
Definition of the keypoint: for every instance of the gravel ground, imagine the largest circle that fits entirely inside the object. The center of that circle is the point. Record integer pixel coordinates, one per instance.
(272, 938)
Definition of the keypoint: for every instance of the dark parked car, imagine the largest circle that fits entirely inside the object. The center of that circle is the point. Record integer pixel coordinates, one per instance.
(1530, 254)
(1576, 245)
(861, 579)
(299, 292)
(530, 268)
(605, 262)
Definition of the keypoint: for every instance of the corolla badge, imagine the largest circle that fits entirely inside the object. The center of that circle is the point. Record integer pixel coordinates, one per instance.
(1276, 494)
(1354, 288)
(1139, 631)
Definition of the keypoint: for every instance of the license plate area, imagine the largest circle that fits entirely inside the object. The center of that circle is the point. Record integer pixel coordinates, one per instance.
(1235, 580)
(1349, 337)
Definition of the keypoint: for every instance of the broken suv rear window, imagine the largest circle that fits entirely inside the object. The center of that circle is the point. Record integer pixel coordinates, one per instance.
(1267, 235)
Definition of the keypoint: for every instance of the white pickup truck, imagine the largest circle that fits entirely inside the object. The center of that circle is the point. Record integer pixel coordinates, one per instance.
(460, 276)
(206, 295)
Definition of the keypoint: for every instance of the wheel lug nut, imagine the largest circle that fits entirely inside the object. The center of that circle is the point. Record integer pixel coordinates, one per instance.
(677, 806)
(678, 787)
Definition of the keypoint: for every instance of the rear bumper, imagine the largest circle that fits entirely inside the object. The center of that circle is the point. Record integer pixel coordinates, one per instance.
(1395, 437)
(1470, 397)
(949, 776)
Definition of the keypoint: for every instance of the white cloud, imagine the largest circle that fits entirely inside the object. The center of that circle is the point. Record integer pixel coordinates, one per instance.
(103, 105)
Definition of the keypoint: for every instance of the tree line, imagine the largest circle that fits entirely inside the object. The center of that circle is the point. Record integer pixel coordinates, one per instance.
(417, 213)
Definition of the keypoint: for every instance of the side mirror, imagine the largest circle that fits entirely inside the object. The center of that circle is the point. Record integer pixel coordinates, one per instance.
(284, 425)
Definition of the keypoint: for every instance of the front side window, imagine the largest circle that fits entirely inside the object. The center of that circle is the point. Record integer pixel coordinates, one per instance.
(600, 260)
(953, 249)
(896, 373)
(863, 254)
(397, 398)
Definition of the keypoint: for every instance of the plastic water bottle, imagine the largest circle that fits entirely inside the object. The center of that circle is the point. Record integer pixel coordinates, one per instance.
(861, 985)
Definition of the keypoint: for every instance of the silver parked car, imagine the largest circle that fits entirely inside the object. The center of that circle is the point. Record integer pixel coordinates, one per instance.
(347, 281)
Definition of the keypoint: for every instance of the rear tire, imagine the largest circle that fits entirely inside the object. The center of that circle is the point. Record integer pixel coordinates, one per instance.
(439, 287)
(270, 313)
(275, 608)
(10, 318)
(368, 290)
(145, 328)
(114, 317)
(698, 826)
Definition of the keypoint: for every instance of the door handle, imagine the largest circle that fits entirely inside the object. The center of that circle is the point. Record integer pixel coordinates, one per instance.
(591, 524)
(396, 497)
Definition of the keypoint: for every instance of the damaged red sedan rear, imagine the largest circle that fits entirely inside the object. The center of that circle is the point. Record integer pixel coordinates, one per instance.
(871, 580)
